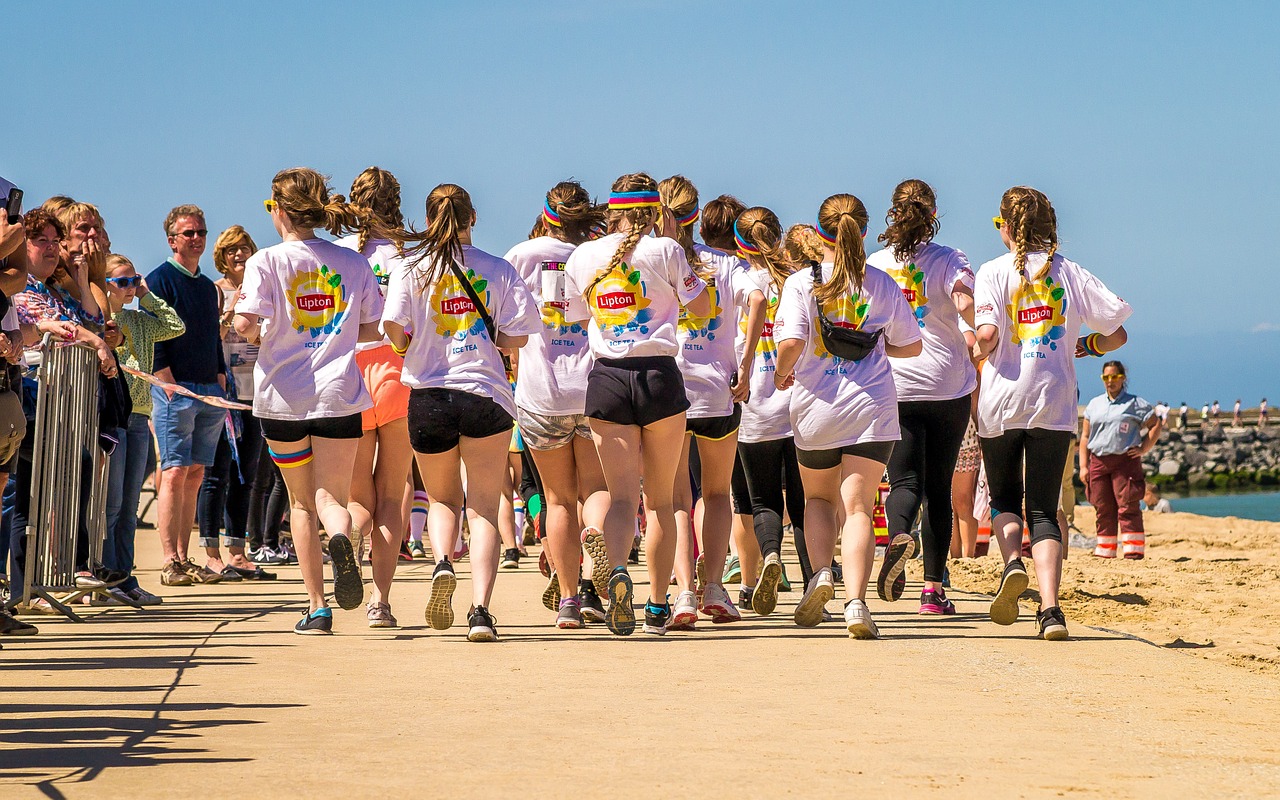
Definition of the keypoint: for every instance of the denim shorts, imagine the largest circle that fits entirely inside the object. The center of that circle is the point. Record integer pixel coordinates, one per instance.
(187, 430)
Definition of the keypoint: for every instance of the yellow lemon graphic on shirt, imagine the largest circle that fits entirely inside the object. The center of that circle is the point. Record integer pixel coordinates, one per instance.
(846, 312)
(911, 281)
(1037, 314)
(317, 302)
(452, 311)
(619, 301)
(703, 327)
(766, 347)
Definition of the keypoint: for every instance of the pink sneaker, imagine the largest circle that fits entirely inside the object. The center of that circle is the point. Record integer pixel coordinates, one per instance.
(936, 602)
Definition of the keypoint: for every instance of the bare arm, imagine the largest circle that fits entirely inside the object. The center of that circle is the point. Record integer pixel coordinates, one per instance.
(962, 297)
(506, 341)
(755, 325)
(370, 332)
(904, 350)
(789, 351)
(1104, 343)
(247, 326)
(13, 277)
(700, 306)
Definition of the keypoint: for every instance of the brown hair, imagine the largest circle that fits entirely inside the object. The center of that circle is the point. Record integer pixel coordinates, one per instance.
(1032, 225)
(802, 243)
(680, 197)
(718, 217)
(449, 214)
(306, 199)
(578, 215)
(760, 227)
(844, 217)
(186, 210)
(640, 219)
(375, 193)
(37, 219)
(912, 219)
(226, 240)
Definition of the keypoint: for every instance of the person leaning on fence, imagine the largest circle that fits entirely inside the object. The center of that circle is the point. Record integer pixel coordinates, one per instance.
(153, 321)
(187, 430)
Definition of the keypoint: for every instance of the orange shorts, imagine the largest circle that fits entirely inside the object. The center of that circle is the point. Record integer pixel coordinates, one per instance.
(381, 370)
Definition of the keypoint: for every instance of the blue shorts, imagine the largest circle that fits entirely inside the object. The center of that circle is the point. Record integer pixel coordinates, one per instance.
(187, 430)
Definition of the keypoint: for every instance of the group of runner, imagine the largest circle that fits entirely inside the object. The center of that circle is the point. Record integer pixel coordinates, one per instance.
(788, 368)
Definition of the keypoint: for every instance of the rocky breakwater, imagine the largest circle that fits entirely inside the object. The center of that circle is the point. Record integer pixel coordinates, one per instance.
(1215, 457)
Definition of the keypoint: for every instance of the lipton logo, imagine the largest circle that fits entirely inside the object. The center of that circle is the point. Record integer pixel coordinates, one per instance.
(839, 323)
(457, 306)
(312, 303)
(910, 294)
(1030, 316)
(562, 305)
(767, 331)
(614, 300)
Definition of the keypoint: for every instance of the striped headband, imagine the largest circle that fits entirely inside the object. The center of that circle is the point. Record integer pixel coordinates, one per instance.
(688, 219)
(830, 239)
(549, 215)
(744, 247)
(623, 200)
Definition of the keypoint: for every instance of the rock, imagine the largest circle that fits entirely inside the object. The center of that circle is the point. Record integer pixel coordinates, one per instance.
(1209, 466)
(1169, 468)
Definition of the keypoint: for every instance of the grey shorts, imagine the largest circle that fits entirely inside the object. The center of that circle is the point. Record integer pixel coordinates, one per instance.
(549, 432)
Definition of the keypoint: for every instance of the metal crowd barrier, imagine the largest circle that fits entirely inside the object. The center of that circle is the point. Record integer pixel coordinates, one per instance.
(66, 432)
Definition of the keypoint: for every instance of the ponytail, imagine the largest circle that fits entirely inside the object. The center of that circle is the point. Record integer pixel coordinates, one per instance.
(449, 215)
(842, 224)
(680, 197)
(912, 219)
(761, 229)
(1033, 225)
(375, 193)
(305, 198)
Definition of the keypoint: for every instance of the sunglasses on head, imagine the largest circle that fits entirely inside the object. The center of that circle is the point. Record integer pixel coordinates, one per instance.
(193, 233)
(126, 283)
(998, 222)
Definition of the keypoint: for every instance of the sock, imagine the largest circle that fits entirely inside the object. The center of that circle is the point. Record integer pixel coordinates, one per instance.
(418, 516)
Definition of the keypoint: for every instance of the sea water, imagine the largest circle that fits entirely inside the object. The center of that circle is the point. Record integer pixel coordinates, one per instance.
(1249, 505)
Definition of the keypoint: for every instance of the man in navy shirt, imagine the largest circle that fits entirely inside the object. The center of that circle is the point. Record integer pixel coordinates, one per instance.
(187, 430)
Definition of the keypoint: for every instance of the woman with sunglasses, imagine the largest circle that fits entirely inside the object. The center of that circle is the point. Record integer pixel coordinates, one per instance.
(1029, 307)
(1118, 429)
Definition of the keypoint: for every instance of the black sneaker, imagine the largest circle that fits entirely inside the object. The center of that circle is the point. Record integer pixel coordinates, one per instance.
(440, 604)
(656, 618)
(483, 627)
(621, 617)
(892, 579)
(837, 571)
(592, 608)
(510, 559)
(12, 626)
(348, 588)
(744, 597)
(1004, 608)
(634, 556)
(1052, 624)
(316, 623)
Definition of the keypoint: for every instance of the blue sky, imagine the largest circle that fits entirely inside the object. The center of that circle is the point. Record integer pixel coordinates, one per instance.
(1151, 126)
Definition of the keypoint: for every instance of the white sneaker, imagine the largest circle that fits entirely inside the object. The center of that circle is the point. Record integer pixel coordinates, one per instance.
(857, 618)
(684, 613)
(822, 588)
(717, 605)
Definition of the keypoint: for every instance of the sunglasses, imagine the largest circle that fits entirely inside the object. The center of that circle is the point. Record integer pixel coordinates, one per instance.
(998, 222)
(1110, 378)
(191, 234)
(269, 205)
(126, 283)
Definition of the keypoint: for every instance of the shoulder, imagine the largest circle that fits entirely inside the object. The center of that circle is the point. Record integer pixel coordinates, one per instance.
(882, 259)
(164, 272)
(800, 281)
(349, 241)
(660, 247)
(485, 262)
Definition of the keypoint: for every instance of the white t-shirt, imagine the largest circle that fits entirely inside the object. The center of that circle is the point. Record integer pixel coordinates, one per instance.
(313, 296)
(634, 309)
(385, 259)
(942, 371)
(554, 364)
(1029, 379)
(766, 415)
(836, 402)
(707, 355)
(450, 347)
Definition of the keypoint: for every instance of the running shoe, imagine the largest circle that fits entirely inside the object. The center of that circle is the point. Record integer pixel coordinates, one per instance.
(570, 616)
(544, 566)
(935, 602)
(143, 598)
(657, 618)
(857, 620)
(417, 549)
(821, 589)
(380, 615)
(633, 557)
(593, 543)
(784, 583)
(510, 558)
(175, 574)
(765, 598)
(483, 626)
(589, 602)
(837, 571)
(892, 568)
(286, 551)
(440, 604)
(1052, 624)
(732, 571)
(683, 615)
(462, 551)
(717, 605)
(348, 588)
(551, 594)
(201, 574)
(700, 575)
(12, 626)
(744, 596)
(405, 553)
(621, 616)
(316, 623)
(1004, 608)
(264, 555)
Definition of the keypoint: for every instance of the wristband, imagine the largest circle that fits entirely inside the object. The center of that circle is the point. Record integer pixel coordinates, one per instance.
(401, 352)
(1091, 345)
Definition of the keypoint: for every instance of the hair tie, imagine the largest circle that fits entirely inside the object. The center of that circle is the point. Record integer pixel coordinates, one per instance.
(621, 201)
(549, 215)
(688, 219)
(745, 248)
(828, 238)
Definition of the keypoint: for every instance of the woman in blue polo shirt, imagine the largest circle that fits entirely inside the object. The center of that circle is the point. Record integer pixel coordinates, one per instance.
(1119, 428)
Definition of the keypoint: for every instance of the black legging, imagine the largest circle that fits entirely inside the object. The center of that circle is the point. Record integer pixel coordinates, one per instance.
(921, 468)
(1044, 453)
(771, 468)
(268, 502)
(530, 485)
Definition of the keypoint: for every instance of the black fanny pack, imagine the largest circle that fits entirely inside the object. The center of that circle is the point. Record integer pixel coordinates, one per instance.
(846, 343)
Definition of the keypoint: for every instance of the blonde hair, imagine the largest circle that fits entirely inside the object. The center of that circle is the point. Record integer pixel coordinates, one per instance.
(226, 240)
(70, 213)
(117, 260)
(803, 243)
(760, 227)
(844, 217)
(718, 216)
(376, 194)
(55, 204)
(186, 210)
(578, 215)
(680, 197)
(306, 199)
(1033, 225)
(449, 215)
(912, 219)
(639, 218)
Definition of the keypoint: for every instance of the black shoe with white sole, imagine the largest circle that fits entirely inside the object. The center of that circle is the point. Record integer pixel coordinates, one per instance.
(315, 623)
(892, 580)
(483, 627)
(1052, 624)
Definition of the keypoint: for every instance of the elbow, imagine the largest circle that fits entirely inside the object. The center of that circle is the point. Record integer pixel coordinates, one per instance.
(1120, 337)
(511, 342)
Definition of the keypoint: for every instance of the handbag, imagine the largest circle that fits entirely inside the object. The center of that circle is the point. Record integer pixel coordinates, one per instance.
(846, 343)
(489, 324)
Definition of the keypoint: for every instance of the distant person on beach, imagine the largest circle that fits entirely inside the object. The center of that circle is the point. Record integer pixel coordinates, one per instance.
(1182, 416)
(1162, 411)
(1262, 413)
(1029, 304)
(1215, 411)
(1154, 502)
(1119, 428)
(1235, 414)
(1204, 415)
